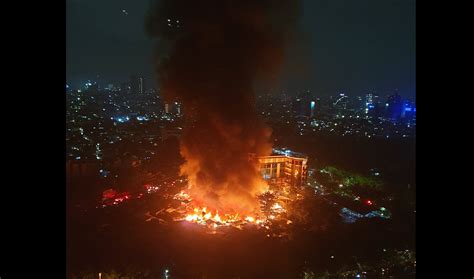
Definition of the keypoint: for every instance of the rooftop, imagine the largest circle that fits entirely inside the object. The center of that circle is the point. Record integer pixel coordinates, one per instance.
(288, 153)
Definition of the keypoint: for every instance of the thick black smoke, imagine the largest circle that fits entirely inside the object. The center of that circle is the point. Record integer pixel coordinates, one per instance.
(215, 53)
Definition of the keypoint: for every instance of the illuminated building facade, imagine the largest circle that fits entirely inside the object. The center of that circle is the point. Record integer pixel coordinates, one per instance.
(312, 109)
(284, 166)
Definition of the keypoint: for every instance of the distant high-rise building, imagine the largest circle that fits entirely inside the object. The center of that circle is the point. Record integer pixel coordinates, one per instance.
(306, 99)
(173, 108)
(178, 108)
(394, 106)
(137, 85)
(372, 105)
(141, 85)
(371, 101)
(369, 98)
(312, 109)
(408, 111)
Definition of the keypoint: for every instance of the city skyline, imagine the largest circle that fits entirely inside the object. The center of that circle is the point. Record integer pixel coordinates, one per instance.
(84, 84)
(379, 58)
(241, 139)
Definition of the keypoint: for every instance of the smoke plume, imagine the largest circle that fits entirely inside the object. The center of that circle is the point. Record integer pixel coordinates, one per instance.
(209, 56)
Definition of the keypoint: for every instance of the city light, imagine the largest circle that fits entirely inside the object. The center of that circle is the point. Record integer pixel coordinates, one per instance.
(122, 119)
(142, 118)
(202, 161)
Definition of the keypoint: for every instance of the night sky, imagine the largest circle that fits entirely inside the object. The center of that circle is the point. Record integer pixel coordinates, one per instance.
(347, 46)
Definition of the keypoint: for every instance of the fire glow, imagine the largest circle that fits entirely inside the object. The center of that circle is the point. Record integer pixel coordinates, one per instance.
(213, 219)
(215, 81)
(204, 217)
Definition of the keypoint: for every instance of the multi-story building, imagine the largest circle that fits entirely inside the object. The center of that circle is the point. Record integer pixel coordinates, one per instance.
(394, 106)
(137, 85)
(284, 166)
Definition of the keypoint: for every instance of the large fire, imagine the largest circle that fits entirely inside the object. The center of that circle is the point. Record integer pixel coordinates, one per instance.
(205, 217)
(218, 52)
(213, 219)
